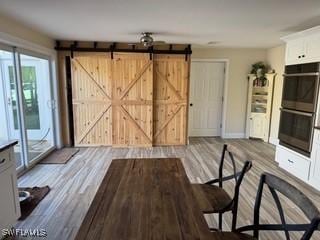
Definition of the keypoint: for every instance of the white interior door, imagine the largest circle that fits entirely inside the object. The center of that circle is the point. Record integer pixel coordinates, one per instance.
(206, 92)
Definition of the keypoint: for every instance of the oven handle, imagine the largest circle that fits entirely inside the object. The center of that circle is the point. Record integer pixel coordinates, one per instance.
(297, 112)
(301, 74)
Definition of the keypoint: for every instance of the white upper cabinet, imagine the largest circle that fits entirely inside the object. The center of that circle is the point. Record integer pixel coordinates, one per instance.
(295, 51)
(312, 48)
(303, 47)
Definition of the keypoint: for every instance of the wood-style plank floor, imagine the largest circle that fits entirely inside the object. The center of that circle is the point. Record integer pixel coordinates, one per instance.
(74, 184)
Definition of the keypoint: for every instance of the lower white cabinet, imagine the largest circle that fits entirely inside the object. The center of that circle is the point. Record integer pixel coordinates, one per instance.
(257, 125)
(9, 200)
(307, 169)
(315, 161)
(293, 162)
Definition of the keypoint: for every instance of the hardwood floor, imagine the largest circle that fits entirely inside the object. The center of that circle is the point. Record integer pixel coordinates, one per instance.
(74, 184)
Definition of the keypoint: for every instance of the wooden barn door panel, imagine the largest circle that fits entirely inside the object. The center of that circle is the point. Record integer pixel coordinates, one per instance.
(171, 80)
(91, 99)
(132, 100)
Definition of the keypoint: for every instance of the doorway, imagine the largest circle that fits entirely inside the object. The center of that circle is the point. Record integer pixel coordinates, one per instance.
(206, 98)
(26, 103)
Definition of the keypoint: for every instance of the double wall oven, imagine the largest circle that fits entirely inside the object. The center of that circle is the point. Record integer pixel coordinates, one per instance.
(298, 107)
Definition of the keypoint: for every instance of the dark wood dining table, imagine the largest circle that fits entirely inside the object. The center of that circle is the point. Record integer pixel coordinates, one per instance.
(145, 199)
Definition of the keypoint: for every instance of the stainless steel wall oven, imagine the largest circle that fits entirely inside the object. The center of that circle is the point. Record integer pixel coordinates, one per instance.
(298, 107)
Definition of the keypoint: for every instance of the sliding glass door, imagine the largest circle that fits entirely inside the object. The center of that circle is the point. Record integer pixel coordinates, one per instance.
(26, 104)
(10, 120)
(37, 104)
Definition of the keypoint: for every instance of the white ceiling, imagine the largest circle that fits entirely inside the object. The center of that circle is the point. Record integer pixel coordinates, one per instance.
(231, 23)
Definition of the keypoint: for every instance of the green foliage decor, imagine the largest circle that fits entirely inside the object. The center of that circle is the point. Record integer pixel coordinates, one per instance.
(260, 69)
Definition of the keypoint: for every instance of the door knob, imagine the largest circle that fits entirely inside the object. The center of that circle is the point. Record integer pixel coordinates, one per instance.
(191, 104)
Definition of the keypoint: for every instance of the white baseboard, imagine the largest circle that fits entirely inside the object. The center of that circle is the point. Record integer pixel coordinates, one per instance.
(274, 141)
(234, 135)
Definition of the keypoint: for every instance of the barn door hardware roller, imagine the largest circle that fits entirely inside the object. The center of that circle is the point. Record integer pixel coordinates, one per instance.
(73, 47)
(151, 51)
(187, 50)
(112, 48)
(57, 44)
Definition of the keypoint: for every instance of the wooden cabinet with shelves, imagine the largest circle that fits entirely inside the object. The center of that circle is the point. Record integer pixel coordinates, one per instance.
(260, 95)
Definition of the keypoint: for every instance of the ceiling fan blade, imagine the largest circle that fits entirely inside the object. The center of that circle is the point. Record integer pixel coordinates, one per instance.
(158, 43)
(133, 44)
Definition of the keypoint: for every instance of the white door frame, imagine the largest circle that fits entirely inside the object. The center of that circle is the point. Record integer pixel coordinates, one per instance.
(225, 89)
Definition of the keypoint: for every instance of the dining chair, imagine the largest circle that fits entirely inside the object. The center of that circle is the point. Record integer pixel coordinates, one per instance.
(276, 184)
(215, 199)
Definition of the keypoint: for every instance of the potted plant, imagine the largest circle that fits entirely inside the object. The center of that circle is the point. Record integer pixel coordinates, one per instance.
(260, 69)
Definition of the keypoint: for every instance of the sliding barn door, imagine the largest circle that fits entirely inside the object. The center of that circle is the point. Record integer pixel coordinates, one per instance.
(132, 80)
(91, 99)
(171, 80)
(130, 100)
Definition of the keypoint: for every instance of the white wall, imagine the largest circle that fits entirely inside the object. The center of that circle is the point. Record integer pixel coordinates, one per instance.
(240, 61)
(17, 29)
(276, 59)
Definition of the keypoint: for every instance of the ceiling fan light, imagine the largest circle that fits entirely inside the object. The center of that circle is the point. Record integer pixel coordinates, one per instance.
(146, 40)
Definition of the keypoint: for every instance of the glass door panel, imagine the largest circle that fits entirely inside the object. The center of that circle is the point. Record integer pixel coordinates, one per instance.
(36, 94)
(296, 129)
(9, 111)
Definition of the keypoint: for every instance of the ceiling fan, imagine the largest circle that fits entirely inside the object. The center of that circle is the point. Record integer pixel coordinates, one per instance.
(146, 40)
